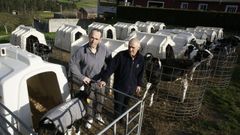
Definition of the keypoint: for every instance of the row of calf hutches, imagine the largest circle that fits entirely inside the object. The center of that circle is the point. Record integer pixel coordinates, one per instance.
(69, 38)
(25, 37)
(120, 31)
(218, 30)
(27, 81)
(114, 46)
(209, 35)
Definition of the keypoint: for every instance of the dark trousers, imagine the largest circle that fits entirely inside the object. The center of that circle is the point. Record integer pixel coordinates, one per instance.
(96, 99)
(120, 104)
(95, 96)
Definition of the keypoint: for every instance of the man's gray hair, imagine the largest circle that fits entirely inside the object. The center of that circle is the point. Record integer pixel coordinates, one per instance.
(135, 40)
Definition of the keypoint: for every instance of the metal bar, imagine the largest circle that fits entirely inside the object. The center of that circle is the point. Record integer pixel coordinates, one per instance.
(133, 129)
(18, 120)
(10, 124)
(135, 116)
(126, 124)
(4, 129)
(115, 128)
(120, 117)
(141, 118)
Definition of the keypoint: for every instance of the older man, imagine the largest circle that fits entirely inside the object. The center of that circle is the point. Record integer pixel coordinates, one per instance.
(86, 66)
(128, 69)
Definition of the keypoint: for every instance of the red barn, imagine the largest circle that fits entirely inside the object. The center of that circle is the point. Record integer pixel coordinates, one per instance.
(231, 6)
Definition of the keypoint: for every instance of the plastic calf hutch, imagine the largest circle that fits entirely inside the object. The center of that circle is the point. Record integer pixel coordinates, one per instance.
(29, 87)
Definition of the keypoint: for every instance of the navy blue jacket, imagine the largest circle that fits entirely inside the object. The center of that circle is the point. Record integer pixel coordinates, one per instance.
(128, 73)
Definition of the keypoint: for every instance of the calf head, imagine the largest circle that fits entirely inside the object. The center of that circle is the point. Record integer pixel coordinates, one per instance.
(152, 68)
(227, 46)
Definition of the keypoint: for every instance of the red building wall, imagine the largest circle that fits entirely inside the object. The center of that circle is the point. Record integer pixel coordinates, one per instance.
(212, 6)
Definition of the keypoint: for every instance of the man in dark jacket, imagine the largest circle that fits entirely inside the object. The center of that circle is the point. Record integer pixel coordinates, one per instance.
(128, 69)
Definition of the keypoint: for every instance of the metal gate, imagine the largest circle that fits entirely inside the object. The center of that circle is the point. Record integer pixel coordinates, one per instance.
(128, 123)
(12, 125)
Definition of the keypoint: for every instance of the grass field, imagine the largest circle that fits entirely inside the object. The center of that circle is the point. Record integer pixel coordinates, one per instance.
(83, 3)
(87, 3)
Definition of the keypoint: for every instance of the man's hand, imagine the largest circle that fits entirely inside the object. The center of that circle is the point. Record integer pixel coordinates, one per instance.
(102, 84)
(86, 80)
(138, 91)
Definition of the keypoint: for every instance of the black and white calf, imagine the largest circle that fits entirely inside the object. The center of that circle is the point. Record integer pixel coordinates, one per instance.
(42, 50)
(60, 120)
(225, 46)
(171, 70)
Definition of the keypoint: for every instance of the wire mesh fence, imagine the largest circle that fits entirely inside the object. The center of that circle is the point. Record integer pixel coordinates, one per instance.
(222, 66)
(177, 94)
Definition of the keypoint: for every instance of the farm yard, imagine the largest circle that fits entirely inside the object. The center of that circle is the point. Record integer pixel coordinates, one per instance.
(210, 106)
(192, 99)
(198, 97)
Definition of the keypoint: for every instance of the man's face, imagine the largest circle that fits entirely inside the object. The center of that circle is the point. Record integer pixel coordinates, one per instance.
(94, 38)
(133, 48)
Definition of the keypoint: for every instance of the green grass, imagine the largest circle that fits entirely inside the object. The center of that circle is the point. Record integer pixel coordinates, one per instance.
(44, 15)
(63, 1)
(221, 113)
(50, 36)
(82, 3)
(86, 3)
(4, 38)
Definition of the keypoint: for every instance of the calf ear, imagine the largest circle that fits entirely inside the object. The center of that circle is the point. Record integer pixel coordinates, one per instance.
(148, 56)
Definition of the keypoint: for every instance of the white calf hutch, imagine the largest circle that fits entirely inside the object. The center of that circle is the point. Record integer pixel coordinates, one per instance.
(29, 88)
(200, 35)
(66, 35)
(123, 30)
(157, 25)
(28, 38)
(145, 27)
(25, 36)
(158, 45)
(181, 39)
(108, 31)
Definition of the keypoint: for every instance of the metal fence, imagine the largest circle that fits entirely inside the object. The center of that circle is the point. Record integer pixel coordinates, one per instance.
(13, 124)
(128, 123)
(178, 97)
(222, 66)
